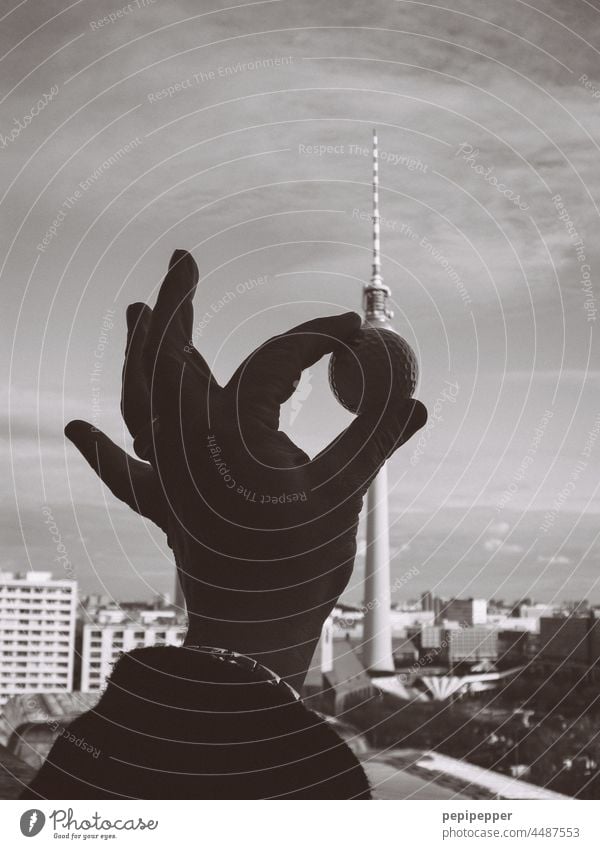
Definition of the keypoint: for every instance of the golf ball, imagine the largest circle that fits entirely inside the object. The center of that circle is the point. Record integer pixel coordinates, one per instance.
(375, 367)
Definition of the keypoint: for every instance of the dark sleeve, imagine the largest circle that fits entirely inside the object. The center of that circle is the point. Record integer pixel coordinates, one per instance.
(76, 766)
(328, 768)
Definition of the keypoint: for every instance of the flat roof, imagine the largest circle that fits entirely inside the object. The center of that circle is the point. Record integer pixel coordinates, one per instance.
(414, 774)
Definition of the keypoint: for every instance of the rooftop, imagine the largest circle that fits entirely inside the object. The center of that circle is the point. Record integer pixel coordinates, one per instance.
(14, 775)
(410, 774)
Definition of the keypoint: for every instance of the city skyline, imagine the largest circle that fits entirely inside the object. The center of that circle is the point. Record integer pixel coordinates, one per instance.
(77, 638)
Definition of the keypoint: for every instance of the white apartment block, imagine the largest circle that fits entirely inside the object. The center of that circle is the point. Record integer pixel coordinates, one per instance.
(37, 633)
(103, 642)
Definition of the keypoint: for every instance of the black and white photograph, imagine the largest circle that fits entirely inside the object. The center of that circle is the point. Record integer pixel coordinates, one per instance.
(301, 416)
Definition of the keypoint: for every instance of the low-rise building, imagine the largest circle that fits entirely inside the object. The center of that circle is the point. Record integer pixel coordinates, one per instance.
(103, 641)
(470, 645)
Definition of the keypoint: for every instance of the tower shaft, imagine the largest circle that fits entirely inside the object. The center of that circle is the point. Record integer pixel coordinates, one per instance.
(377, 652)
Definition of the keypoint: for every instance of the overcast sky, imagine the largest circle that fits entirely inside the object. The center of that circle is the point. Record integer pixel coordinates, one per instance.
(194, 125)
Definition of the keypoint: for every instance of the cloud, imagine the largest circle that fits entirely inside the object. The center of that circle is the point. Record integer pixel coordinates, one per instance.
(495, 544)
(499, 528)
(554, 559)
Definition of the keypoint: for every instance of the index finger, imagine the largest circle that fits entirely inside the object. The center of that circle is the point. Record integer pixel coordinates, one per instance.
(172, 321)
(269, 376)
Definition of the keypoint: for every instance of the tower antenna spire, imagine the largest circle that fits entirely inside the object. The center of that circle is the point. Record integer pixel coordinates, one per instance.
(376, 278)
(376, 293)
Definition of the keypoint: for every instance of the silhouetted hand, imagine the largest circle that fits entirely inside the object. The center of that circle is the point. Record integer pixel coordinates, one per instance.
(264, 537)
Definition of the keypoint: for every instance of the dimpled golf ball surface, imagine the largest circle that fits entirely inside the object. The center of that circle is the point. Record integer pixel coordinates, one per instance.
(373, 369)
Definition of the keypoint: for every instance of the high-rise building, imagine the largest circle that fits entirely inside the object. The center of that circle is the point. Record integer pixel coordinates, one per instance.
(427, 600)
(465, 611)
(37, 633)
(570, 641)
(109, 635)
(438, 607)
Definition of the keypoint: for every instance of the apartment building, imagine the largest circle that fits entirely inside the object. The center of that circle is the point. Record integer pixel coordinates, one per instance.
(37, 633)
(112, 633)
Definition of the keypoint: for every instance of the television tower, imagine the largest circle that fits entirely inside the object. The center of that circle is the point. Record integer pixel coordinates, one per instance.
(377, 650)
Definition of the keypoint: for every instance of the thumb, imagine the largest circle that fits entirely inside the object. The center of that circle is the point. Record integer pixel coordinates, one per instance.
(356, 455)
(128, 479)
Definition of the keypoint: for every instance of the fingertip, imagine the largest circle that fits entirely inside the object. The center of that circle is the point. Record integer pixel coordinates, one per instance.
(412, 418)
(177, 255)
(349, 323)
(184, 259)
(76, 428)
(408, 415)
(419, 414)
(335, 328)
(136, 309)
(134, 315)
